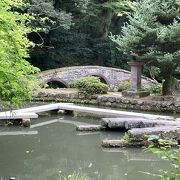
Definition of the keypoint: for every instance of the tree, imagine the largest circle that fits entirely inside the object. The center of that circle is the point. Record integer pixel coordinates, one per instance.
(16, 74)
(153, 36)
(47, 16)
(84, 43)
(104, 10)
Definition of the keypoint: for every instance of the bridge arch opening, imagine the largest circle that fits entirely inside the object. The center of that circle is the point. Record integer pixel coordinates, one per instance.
(56, 84)
(102, 79)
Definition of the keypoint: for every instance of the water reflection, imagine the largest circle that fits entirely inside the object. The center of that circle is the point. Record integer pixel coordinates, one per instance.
(57, 149)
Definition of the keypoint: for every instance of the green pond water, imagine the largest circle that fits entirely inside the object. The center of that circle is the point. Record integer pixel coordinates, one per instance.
(55, 149)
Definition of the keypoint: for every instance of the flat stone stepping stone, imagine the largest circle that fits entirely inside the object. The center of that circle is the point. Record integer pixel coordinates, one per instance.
(121, 143)
(172, 132)
(90, 127)
(129, 123)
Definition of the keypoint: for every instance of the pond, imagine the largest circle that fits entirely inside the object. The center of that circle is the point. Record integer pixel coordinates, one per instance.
(47, 151)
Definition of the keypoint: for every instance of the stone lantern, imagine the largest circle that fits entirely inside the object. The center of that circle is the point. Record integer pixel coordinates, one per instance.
(136, 90)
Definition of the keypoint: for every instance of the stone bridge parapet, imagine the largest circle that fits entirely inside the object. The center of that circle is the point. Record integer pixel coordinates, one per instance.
(111, 76)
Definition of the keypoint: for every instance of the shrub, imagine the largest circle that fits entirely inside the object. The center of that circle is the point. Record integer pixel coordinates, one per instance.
(90, 85)
(124, 85)
(154, 88)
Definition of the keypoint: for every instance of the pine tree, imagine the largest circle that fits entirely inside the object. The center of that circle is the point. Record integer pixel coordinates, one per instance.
(153, 36)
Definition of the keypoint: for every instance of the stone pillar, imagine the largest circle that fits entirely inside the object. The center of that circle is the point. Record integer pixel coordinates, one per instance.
(135, 91)
(135, 75)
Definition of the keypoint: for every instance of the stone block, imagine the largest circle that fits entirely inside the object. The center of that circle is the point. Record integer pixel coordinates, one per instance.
(135, 94)
(121, 143)
(90, 127)
(26, 122)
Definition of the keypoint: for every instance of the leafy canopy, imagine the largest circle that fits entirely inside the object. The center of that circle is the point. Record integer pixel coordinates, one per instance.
(46, 15)
(153, 35)
(16, 79)
(118, 7)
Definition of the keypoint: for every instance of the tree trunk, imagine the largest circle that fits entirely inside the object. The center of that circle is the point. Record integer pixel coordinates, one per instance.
(168, 86)
(106, 18)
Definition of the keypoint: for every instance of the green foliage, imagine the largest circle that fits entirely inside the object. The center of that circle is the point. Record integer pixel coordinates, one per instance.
(126, 136)
(166, 152)
(90, 85)
(153, 36)
(101, 14)
(154, 88)
(85, 43)
(65, 51)
(16, 79)
(153, 72)
(47, 16)
(120, 7)
(82, 5)
(124, 85)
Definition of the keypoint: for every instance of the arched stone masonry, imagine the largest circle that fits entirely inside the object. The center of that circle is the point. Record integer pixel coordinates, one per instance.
(112, 76)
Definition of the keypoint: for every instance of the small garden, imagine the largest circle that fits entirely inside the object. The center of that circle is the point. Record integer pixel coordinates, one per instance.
(141, 35)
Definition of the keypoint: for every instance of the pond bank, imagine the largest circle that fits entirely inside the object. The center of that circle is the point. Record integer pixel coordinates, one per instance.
(136, 124)
(158, 104)
(168, 104)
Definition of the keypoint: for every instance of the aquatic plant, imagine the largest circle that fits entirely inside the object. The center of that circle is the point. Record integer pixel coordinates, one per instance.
(75, 176)
(164, 149)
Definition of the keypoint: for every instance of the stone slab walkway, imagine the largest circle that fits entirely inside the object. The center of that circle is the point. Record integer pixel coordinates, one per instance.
(32, 112)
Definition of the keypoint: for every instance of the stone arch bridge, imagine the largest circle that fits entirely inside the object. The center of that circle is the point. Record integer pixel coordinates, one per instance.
(110, 76)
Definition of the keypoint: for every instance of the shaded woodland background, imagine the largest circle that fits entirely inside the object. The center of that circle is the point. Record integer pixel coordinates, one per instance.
(80, 35)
